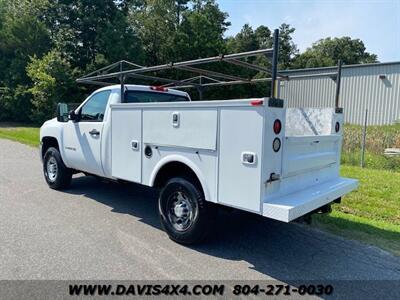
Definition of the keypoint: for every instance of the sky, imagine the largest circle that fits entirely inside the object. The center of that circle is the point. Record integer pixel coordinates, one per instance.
(375, 22)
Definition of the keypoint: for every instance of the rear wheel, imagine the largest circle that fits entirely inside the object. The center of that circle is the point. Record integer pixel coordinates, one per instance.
(184, 213)
(57, 175)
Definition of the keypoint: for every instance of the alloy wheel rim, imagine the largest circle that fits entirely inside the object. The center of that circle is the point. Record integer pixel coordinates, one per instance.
(181, 212)
(52, 169)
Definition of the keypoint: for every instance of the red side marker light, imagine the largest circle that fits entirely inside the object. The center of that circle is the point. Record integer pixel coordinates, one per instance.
(277, 126)
(257, 102)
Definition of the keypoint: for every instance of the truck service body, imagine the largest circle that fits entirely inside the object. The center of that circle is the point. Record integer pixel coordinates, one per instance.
(250, 154)
(254, 154)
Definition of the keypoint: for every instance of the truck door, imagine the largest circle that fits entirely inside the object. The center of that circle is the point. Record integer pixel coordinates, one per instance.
(82, 139)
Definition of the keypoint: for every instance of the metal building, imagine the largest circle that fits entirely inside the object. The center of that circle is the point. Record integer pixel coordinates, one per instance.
(375, 87)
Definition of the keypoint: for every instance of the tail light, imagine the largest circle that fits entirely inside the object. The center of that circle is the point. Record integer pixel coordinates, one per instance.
(277, 126)
(337, 126)
(276, 144)
(159, 88)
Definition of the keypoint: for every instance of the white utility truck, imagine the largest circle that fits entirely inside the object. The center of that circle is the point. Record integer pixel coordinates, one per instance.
(254, 154)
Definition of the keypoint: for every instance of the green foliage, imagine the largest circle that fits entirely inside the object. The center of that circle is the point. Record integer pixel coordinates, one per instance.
(202, 31)
(288, 50)
(22, 34)
(171, 31)
(155, 22)
(53, 81)
(326, 52)
(82, 29)
(260, 38)
(45, 44)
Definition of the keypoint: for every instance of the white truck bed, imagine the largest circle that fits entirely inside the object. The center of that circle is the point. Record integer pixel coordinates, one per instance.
(211, 137)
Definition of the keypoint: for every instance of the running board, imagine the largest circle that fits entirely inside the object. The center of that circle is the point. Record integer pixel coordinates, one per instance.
(292, 206)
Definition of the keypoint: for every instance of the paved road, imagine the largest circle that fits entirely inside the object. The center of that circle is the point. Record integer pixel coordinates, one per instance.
(98, 230)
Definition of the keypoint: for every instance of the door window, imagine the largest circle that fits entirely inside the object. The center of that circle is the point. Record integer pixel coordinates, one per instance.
(94, 109)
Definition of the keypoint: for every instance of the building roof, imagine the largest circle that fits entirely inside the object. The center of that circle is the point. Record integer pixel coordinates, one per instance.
(332, 68)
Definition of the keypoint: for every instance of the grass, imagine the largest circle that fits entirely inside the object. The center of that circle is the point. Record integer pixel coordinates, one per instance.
(26, 135)
(371, 160)
(371, 214)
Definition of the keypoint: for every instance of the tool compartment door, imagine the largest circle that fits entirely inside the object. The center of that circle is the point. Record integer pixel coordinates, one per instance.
(241, 132)
(194, 128)
(126, 143)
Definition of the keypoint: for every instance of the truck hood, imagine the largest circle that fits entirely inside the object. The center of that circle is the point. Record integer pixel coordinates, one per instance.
(49, 122)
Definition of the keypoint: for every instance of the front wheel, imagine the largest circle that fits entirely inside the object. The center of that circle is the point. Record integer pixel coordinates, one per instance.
(184, 213)
(57, 175)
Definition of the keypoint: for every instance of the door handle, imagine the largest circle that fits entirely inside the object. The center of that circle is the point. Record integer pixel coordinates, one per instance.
(94, 132)
(175, 119)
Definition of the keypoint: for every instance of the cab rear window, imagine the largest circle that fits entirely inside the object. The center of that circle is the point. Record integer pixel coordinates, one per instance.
(147, 97)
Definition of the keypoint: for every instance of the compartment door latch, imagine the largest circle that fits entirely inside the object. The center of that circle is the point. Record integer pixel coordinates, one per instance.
(273, 177)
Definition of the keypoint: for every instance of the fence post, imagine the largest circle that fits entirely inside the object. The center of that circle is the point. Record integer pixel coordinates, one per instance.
(364, 134)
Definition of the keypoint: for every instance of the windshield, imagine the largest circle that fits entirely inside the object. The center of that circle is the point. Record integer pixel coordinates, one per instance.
(146, 97)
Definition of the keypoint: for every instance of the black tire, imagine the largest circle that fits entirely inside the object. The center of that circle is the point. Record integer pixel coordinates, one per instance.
(203, 212)
(63, 175)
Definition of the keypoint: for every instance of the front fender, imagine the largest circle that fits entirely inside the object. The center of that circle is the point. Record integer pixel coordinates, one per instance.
(53, 128)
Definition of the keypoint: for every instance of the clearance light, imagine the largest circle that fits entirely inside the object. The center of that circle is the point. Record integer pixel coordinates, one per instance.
(257, 102)
(159, 88)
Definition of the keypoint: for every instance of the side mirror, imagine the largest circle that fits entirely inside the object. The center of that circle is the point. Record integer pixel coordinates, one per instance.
(62, 112)
(73, 116)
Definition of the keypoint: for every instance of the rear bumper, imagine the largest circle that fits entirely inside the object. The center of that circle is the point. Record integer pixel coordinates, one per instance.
(292, 206)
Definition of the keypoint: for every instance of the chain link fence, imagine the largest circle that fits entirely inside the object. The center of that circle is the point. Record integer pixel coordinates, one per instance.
(381, 146)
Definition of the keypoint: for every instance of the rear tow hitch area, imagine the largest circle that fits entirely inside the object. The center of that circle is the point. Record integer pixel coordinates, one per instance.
(306, 219)
(326, 209)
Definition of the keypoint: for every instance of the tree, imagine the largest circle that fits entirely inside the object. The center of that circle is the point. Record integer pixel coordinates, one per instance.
(22, 34)
(155, 22)
(83, 29)
(53, 81)
(46, 44)
(260, 38)
(326, 52)
(287, 49)
(248, 39)
(201, 32)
